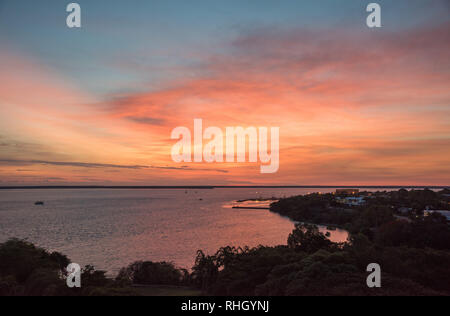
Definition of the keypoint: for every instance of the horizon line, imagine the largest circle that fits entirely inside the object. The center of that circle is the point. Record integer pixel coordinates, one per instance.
(225, 187)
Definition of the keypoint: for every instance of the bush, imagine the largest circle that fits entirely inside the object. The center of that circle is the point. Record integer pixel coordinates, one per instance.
(152, 273)
(28, 270)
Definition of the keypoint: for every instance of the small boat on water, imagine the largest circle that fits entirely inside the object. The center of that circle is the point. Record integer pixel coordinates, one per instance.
(39, 203)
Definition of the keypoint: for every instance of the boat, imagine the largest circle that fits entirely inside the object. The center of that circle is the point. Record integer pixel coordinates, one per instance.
(39, 203)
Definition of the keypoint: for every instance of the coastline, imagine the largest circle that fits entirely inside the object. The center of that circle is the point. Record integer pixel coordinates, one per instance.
(118, 187)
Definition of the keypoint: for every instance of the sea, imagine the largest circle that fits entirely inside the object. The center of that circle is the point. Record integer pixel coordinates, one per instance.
(112, 228)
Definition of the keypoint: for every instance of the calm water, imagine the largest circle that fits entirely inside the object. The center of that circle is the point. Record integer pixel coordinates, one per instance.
(112, 228)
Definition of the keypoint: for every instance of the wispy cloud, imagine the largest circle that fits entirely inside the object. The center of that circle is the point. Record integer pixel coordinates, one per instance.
(146, 120)
(70, 164)
(102, 165)
(360, 107)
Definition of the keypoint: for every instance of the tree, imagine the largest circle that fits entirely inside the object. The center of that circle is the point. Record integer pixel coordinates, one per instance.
(205, 271)
(151, 273)
(28, 270)
(307, 238)
(394, 233)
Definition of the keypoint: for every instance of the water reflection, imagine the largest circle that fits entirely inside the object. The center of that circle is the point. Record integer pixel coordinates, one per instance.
(334, 234)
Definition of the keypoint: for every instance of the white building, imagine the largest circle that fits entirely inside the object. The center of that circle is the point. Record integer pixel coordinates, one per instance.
(446, 214)
(352, 201)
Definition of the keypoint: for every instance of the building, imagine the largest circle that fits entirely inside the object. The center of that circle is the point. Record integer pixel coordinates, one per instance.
(446, 214)
(347, 191)
(352, 201)
(405, 210)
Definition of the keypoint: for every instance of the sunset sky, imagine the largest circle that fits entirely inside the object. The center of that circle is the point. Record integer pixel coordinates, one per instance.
(96, 105)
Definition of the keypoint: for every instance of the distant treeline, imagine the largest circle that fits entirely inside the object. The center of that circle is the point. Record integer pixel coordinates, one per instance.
(379, 208)
(216, 187)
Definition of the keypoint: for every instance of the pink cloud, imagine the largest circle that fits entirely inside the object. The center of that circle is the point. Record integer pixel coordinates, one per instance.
(353, 108)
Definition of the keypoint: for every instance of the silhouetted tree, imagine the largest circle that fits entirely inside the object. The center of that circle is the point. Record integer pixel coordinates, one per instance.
(151, 273)
(308, 238)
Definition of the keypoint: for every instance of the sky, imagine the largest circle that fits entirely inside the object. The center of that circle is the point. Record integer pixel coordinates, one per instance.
(96, 105)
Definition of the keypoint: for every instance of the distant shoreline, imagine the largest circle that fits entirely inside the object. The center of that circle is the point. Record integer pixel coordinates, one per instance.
(218, 187)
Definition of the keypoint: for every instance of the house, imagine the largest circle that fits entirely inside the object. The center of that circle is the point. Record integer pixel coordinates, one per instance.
(446, 214)
(352, 201)
(347, 191)
(405, 210)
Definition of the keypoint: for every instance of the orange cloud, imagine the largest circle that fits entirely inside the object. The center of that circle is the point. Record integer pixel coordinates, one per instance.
(352, 108)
